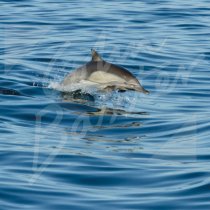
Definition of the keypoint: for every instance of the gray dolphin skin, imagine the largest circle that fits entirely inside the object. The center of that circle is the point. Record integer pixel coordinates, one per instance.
(106, 76)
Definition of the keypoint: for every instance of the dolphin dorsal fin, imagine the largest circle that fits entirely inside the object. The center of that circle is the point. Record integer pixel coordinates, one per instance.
(95, 56)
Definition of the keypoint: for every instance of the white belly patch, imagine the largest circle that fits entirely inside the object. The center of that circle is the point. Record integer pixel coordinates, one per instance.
(104, 77)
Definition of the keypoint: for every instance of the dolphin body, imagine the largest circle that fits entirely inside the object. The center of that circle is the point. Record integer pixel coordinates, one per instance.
(103, 75)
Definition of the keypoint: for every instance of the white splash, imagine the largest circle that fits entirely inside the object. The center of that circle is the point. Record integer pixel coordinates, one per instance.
(128, 100)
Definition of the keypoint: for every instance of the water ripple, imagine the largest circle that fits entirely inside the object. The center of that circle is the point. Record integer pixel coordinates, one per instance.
(109, 151)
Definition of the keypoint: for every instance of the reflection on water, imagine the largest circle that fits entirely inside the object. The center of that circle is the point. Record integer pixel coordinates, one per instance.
(88, 99)
(110, 111)
(5, 91)
(77, 96)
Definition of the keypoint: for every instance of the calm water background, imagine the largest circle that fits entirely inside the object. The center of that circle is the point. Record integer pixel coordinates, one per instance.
(123, 151)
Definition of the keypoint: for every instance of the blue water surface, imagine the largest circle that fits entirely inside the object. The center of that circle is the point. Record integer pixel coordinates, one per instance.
(123, 150)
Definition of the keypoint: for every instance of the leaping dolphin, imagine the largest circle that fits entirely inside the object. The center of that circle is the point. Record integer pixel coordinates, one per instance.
(104, 75)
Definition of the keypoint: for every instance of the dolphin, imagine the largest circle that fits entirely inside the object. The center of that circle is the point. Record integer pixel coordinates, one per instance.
(104, 75)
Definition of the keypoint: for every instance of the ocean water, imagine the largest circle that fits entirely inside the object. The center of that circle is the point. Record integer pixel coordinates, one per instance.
(120, 150)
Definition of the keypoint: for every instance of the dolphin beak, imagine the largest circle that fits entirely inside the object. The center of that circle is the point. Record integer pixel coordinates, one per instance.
(146, 91)
(142, 90)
